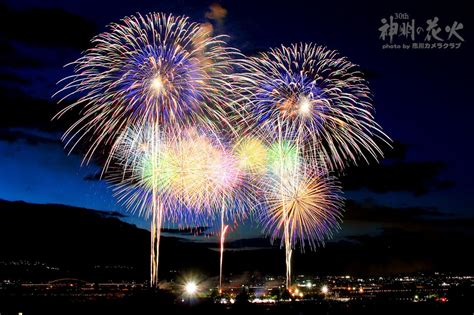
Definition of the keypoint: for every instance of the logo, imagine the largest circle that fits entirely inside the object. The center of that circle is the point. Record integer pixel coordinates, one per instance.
(399, 31)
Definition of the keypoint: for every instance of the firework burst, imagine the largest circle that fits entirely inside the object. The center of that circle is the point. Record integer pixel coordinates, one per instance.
(252, 155)
(156, 68)
(188, 180)
(313, 109)
(311, 204)
(192, 170)
(314, 96)
(301, 208)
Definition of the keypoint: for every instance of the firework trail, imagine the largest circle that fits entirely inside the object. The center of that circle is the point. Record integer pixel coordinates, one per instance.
(221, 260)
(317, 107)
(157, 70)
(142, 181)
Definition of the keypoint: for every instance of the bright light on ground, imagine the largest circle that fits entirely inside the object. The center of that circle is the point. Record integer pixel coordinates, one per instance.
(190, 288)
(325, 289)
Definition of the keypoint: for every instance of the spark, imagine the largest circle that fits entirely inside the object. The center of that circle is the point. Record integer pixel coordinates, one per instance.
(157, 85)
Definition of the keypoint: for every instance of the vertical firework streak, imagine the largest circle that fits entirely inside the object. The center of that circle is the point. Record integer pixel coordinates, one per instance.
(157, 220)
(198, 176)
(155, 232)
(223, 231)
(318, 102)
(157, 70)
(140, 161)
(229, 185)
(286, 236)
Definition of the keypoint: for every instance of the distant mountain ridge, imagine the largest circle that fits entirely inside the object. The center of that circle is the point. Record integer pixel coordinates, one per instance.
(50, 241)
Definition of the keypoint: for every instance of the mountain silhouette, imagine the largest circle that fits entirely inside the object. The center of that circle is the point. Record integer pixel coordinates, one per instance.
(43, 242)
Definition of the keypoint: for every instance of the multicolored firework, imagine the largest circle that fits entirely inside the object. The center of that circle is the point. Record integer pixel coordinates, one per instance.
(313, 109)
(312, 95)
(301, 208)
(142, 181)
(252, 155)
(189, 141)
(156, 68)
(187, 180)
(192, 170)
(311, 203)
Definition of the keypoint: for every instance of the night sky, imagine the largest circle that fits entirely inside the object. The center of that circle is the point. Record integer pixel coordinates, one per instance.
(422, 98)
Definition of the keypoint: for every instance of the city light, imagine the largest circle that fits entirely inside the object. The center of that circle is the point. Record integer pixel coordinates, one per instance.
(191, 288)
(325, 289)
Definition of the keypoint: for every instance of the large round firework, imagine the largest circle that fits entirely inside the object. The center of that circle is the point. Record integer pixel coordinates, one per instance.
(308, 206)
(314, 96)
(157, 69)
(193, 174)
(206, 172)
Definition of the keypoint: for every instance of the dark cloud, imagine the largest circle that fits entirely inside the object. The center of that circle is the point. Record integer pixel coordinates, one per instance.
(250, 244)
(113, 214)
(52, 27)
(418, 178)
(22, 110)
(254, 243)
(369, 211)
(433, 246)
(396, 174)
(93, 177)
(28, 136)
(12, 58)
